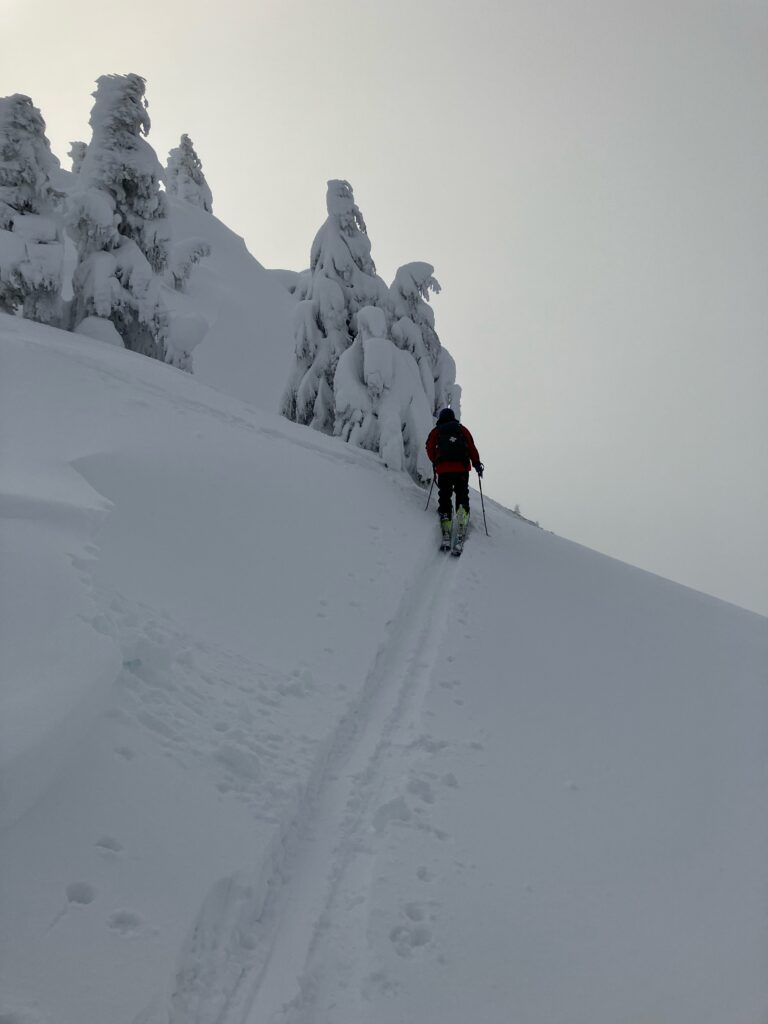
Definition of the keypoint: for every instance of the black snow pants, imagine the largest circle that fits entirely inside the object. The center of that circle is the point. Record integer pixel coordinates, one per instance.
(447, 484)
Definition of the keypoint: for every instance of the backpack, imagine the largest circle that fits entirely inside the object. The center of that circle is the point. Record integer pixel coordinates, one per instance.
(451, 443)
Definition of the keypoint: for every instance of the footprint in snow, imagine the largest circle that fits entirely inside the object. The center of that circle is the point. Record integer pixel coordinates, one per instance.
(377, 983)
(81, 893)
(429, 744)
(108, 845)
(422, 789)
(405, 938)
(102, 625)
(394, 810)
(78, 894)
(125, 922)
(440, 834)
(414, 912)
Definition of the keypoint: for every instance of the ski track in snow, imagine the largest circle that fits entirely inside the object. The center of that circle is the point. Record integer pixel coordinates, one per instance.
(258, 948)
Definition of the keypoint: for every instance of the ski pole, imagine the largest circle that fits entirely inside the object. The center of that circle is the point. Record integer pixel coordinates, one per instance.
(430, 492)
(482, 503)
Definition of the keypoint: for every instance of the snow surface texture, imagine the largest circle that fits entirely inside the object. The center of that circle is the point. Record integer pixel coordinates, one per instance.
(268, 757)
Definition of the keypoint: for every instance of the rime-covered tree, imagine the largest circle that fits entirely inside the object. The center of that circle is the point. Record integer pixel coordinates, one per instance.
(31, 242)
(118, 219)
(77, 151)
(182, 260)
(380, 400)
(184, 176)
(342, 280)
(414, 330)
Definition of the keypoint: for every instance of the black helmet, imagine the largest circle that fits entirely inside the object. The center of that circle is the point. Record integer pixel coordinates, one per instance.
(446, 416)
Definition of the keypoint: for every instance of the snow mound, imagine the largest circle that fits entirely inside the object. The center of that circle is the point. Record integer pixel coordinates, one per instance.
(248, 348)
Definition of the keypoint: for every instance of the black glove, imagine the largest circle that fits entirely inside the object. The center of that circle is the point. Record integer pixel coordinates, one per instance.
(479, 467)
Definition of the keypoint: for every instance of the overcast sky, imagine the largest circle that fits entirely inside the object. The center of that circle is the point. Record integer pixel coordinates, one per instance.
(588, 177)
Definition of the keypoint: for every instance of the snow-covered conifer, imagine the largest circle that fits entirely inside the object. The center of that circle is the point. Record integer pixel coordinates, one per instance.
(118, 220)
(183, 258)
(342, 280)
(414, 330)
(31, 243)
(184, 176)
(380, 401)
(77, 151)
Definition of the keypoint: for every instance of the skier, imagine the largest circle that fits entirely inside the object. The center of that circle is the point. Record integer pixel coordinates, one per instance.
(451, 450)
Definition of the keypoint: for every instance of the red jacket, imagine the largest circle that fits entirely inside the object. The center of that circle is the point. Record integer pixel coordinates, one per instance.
(452, 467)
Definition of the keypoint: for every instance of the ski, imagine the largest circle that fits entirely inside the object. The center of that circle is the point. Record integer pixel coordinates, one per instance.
(458, 544)
(446, 534)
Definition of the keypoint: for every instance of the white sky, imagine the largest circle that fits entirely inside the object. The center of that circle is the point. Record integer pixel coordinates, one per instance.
(589, 178)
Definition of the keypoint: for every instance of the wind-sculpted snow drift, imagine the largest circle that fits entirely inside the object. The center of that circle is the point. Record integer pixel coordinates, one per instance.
(272, 761)
(248, 344)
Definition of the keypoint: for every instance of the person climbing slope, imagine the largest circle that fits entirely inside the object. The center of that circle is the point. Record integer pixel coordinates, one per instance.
(452, 451)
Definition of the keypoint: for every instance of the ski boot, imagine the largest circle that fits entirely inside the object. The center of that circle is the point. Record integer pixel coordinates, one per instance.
(446, 526)
(462, 522)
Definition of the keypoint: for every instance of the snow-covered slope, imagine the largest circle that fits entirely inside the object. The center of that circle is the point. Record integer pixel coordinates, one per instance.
(248, 349)
(269, 758)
